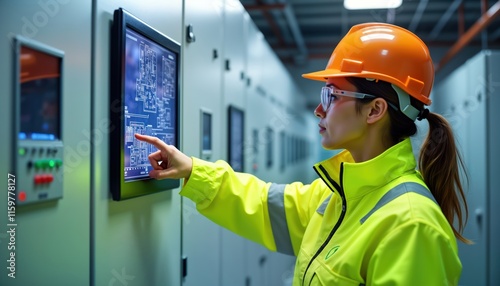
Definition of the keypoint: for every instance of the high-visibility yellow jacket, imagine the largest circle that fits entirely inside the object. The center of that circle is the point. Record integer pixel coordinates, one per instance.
(368, 223)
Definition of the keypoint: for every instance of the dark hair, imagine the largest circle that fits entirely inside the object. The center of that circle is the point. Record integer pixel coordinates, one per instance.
(439, 160)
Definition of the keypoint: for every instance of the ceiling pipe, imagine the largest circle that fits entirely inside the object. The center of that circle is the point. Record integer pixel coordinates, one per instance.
(473, 31)
(269, 18)
(296, 33)
(484, 34)
(461, 20)
(444, 19)
(418, 15)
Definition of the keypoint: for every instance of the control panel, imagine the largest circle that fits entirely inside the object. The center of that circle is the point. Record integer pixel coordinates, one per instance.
(38, 147)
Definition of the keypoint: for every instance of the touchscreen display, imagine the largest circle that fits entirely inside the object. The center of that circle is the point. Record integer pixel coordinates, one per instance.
(149, 101)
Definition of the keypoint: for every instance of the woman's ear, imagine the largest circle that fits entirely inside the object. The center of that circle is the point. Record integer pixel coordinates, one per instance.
(377, 108)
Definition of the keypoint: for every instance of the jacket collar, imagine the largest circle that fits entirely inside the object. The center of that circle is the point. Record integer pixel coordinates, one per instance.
(360, 178)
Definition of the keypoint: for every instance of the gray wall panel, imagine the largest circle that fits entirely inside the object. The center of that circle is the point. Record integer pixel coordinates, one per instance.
(235, 52)
(473, 114)
(493, 78)
(468, 98)
(52, 239)
(85, 238)
(202, 88)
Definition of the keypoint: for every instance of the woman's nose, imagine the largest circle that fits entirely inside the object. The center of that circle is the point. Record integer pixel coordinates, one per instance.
(319, 112)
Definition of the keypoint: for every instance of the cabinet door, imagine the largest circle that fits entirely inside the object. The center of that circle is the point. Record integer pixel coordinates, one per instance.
(473, 115)
(493, 106)
(234, 66)
(202, 89)
(461, 97)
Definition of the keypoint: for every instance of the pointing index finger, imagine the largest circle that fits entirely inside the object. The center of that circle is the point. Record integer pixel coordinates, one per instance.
(151, 140)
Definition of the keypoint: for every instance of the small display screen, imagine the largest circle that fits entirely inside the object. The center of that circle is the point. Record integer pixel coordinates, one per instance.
(207, 132)
(150, 100)
(40, 95)
(236, 138)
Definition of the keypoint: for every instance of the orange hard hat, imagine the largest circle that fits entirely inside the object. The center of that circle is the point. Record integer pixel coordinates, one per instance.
(384, 52)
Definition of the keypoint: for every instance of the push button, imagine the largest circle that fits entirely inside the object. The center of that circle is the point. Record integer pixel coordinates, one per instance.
(42, 164)
(39, 179)
(22, 196)
(39, 164)
(58, 162)
(49, 178)
(43, 179)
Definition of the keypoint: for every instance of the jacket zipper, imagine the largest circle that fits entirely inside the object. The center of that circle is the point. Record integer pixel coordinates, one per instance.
(342, 214)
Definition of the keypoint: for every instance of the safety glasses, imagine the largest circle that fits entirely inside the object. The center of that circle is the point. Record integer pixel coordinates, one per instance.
(330, 93)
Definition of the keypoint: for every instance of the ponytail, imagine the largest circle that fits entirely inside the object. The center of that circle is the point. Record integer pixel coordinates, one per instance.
(440, 164)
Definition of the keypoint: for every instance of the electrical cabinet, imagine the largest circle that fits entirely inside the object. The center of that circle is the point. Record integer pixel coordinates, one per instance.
(468, 98)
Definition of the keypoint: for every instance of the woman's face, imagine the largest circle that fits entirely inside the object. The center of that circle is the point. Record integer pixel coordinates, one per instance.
(340, 125)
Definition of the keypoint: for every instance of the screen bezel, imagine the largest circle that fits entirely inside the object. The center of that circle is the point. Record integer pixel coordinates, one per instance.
(120, 189)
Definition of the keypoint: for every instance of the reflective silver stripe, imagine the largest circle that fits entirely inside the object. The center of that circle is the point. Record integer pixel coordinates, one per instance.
(322, 207)
(397, 191)
(277, 215)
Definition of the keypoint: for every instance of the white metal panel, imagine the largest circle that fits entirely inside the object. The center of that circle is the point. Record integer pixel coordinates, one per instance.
(202, 88)
(235, 46)
(493, 107)
(464, 98)
(51, 239)
(270, 98)
(473, 115)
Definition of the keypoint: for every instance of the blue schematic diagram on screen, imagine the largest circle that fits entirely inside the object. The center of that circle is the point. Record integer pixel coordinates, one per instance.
(149, 101)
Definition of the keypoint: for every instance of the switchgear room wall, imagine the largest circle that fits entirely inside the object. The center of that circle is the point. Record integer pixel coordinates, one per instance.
(212, 83)
(137, 241)
(450, 99)
(273, 101)
(468, 97)
(233, 91)
(202, 90)
(493, 166)
(52, 239)
(257, 264)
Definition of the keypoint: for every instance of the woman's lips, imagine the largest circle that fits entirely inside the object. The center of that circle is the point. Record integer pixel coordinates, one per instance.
(321, 129)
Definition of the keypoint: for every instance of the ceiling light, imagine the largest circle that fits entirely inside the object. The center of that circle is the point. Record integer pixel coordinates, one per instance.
(371, 4)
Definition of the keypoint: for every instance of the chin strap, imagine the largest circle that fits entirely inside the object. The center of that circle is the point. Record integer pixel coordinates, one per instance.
(406, 107)
(405, 104)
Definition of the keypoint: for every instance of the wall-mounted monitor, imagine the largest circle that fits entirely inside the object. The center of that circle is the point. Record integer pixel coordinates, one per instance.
(282, 150)
(269, 147)
(206, 133)
(236, 139)
(145, 70)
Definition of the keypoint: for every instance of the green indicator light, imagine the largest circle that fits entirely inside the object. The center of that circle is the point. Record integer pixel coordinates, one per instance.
(22, 151)
(58, 163)
(39, 164)
(52, 163)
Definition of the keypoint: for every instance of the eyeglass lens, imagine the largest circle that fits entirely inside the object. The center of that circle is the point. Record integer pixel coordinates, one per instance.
(325, 97)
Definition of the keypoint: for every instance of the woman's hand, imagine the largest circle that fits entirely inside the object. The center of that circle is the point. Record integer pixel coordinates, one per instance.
(168, 162)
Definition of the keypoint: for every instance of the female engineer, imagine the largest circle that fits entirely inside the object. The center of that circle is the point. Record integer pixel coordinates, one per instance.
(373, 217)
